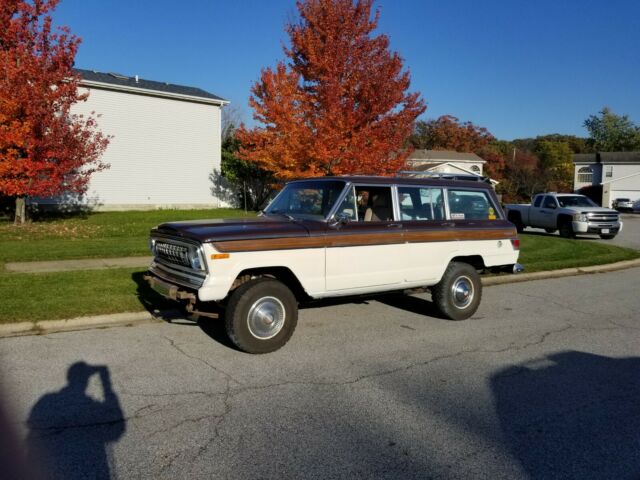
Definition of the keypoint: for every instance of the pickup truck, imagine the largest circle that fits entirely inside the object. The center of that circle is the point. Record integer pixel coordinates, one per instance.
(569, 213)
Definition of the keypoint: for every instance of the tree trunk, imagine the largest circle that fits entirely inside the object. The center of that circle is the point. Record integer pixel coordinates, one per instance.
(21, 210)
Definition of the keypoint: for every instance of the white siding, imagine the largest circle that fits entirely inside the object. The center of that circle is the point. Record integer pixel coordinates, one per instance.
(161, 155)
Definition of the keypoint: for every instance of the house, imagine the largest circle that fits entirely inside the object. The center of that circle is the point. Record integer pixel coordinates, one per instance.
(617, 172)
(445, 163)
(165, 146)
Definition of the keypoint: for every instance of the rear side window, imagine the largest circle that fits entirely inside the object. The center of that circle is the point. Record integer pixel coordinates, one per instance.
(471, 205)
(537, 201)
(421, 203)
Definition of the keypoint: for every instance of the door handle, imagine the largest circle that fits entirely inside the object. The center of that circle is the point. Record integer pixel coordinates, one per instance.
(448, 224)
(394, 225)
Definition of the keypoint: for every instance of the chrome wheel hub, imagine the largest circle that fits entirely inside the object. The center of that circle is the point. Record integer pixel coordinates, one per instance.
(266, 318)
(462, 292)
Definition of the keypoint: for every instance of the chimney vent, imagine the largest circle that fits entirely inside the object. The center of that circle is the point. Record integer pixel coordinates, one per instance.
(136, 78)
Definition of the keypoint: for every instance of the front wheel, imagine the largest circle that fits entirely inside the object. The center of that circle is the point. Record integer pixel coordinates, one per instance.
(607, 237)
(457, 295)
(566, 230)
(261, 316)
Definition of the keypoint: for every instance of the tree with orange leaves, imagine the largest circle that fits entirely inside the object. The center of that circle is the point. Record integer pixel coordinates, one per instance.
(44, 149)
(340, 105)
(448, 133)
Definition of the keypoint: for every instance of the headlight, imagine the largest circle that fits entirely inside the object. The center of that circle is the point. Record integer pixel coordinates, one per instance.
(579, 217)
(194, 259)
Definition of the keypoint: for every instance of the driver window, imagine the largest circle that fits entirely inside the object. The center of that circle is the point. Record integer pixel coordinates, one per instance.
(374, 204)
(549, 202)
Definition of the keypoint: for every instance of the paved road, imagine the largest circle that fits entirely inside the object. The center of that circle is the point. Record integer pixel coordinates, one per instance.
(543, 382)
(629, 237)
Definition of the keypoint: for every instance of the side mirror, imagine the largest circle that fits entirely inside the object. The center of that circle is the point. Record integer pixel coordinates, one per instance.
(339, 219)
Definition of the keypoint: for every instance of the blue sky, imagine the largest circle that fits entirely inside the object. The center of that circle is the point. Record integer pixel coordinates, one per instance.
(520, 68)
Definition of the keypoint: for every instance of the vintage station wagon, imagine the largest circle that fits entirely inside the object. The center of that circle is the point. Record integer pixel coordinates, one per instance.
(330, 237)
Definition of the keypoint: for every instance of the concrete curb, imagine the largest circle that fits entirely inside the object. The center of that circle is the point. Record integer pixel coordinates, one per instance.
(72, 324)
(135, 318)
(564, 272)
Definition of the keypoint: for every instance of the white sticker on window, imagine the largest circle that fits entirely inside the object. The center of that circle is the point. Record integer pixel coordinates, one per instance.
(457, 216)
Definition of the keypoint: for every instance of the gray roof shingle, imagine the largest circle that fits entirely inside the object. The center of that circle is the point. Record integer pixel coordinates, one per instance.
(436, 155)
(130, 82)
(607, 157)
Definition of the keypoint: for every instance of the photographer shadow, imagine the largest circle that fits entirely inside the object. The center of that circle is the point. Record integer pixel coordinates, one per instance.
(69, 431)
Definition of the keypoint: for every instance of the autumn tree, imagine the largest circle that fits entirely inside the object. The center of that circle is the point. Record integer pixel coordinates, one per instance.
(44, 149)
(449, 133)
(339, 102)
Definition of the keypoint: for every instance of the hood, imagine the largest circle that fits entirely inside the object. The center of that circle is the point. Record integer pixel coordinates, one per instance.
(225, 229)
(593, 210)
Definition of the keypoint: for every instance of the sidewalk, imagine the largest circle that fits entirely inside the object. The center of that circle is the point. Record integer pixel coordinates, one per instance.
(70, 265)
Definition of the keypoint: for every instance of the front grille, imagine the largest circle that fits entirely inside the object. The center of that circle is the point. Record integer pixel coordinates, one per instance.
(172, 253)
(603, 217)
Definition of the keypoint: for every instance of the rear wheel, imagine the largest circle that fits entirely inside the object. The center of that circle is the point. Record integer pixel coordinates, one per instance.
(566, 230)
(261, 316)
(457, 295)
(550, 230)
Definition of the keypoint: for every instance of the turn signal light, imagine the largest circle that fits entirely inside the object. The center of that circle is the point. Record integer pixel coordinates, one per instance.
(515, 242)
(219, 256)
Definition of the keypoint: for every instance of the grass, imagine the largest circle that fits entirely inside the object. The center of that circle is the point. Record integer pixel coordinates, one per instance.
(33, 297)
(539, 252)
(94, 235)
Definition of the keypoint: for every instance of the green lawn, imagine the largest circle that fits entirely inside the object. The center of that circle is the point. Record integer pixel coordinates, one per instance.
(95, 235)
(540, 252)
(65, 295)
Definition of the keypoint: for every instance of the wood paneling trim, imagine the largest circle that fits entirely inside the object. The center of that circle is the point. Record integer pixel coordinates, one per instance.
(363, 239)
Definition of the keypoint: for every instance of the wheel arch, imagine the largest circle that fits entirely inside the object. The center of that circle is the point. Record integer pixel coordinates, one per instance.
(280, 273)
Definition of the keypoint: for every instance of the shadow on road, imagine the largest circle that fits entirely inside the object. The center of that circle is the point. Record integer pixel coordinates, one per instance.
(572, 415)
(69, 431)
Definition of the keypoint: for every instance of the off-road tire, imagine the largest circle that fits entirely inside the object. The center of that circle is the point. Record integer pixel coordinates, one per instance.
(566, 230)
(607, 236)
(239, 307)
(443, 296)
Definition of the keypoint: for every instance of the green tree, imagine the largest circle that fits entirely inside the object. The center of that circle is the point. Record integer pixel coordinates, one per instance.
(251, 184)
(555, 163)
(613, 133)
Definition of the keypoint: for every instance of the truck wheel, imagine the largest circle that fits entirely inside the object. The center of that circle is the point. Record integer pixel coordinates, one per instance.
(457, 295)
(261, 316)
(550, 230)
(566, 230)
(517, 221)
(607, 237)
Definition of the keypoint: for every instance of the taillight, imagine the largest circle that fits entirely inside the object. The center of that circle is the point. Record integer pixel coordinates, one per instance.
(515, 243)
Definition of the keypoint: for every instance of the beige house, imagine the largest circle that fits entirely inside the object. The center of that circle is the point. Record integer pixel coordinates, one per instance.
(166, 143)
(445, 164)
(617, 172)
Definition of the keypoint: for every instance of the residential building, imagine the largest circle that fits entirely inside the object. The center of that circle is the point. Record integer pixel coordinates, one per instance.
(166, 143)
(445, 164)
(617, 172)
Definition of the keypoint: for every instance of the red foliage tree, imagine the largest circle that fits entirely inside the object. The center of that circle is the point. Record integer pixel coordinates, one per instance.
(341, 103)
(448, 133)
(44, 149)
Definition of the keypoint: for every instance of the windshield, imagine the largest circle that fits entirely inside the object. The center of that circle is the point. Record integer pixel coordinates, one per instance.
(575, 201)
(312, 199)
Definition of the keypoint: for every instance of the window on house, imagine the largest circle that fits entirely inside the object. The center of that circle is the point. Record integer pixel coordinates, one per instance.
(609, 171)
(585, 175)
(475, 168)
